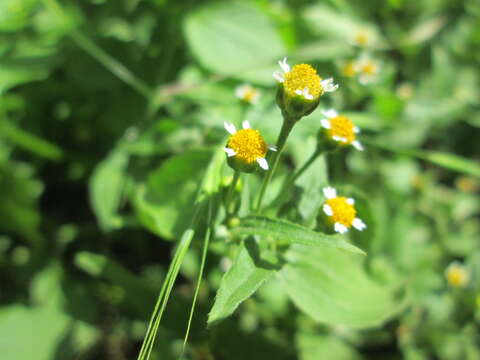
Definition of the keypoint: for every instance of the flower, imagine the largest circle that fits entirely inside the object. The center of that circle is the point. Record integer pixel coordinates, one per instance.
(349, 69)
(339, 131)
(457, 275)
(362, 38)
(303, 80)
(246, 148)
(339, 212)
(300, 88)
(367, 69)
(247, 93)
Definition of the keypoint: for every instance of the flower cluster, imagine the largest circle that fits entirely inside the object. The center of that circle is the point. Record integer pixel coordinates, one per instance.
(299, 91)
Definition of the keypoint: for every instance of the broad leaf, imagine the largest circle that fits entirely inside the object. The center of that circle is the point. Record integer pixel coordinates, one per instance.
(233, 38)
(332, 287)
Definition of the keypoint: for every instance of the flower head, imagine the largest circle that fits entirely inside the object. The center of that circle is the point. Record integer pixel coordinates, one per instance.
(245, 148)
(300, 88)
(247, 93)
(349, 69)
(367, 69)
(457, 275)
(361, 38)
(339, 131)
(339, 212)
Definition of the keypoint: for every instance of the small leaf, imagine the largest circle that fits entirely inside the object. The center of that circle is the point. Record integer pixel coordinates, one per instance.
(30, 142)
(291, 233)
(332, 287)
(238, 283)
(164, 205)
(106, 187)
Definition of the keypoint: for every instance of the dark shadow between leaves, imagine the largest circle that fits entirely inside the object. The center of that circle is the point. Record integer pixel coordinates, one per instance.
(273, 262)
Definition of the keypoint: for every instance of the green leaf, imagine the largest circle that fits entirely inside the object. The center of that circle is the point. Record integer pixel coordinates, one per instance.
(292, 233)
(443, 159)
(314, 346)
(332, 287)
(106, 188)
(229, 38)
(449, 161)
(31, 334)
(165, 204)
(30, 142)
(44, 331)
(238, 283)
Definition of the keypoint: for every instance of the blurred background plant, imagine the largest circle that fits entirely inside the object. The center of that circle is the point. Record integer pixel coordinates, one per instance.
(110, 112)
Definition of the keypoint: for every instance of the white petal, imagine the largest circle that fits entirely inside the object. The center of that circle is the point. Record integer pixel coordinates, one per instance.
(299, 92)
(230, 128)
(356, 129)
(365, 79)
(272, 147)
(240, 91)
(327, 210)
(284, 65)
(350, 201)
(358, 224)
(357, 145)
(328, 85)
(246, 124)
(263, 163)
(330, 113)
(329, 192)
(325, 123)
(278, 76)
(307, 95)
(230, 152)
(339, 138)
(340, 228)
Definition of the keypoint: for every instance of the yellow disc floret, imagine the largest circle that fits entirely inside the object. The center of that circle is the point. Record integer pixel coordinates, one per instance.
(343, 212)
(369, 68)
(361, 38)
(349, 69)
(456, 275)
(248, 144)
(300, 77)
(342, 127)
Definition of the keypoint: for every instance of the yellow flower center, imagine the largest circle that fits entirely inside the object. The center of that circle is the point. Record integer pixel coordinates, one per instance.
(361, 38)
(343, 212)
(248, 144)
(349, 69)
(457, 276)
(369, 68)
(249, 95)
(343, 127)
(303, 76)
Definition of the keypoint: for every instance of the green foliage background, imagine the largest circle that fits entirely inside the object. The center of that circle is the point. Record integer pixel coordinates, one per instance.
(111, 116)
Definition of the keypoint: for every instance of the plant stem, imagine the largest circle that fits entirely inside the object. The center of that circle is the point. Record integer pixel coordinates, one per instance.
(231, 190)
(287, 127)
(291, 180)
